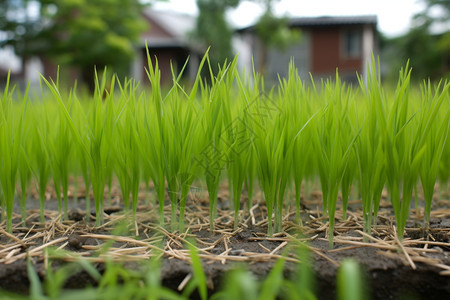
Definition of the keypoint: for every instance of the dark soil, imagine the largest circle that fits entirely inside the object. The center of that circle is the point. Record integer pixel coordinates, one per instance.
(388, 273)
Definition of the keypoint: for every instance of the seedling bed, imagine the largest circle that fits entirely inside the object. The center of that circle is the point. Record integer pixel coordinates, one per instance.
(222, 173)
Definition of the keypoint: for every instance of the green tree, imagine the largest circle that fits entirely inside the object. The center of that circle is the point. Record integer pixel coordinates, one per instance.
(212, 29)
(273, 32)
(79, 33)
(19, 25)
(436, 12)
(428, 51)
(437, 16)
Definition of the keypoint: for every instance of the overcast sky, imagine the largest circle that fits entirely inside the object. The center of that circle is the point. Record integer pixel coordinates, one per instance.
(394, 16)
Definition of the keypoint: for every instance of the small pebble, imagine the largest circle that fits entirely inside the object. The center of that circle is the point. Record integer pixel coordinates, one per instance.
(76, 214)
(237, 252)
(76, 241)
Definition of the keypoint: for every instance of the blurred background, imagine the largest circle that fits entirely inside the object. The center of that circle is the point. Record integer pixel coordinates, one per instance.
(37, 36)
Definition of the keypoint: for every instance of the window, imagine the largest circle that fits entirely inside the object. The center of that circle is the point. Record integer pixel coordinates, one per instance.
(351, 43)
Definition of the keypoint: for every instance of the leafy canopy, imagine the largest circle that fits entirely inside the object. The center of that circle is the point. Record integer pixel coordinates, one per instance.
(80, 33)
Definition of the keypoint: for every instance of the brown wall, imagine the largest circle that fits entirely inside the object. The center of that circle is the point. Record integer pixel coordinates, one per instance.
(165, 56)
(326, 54)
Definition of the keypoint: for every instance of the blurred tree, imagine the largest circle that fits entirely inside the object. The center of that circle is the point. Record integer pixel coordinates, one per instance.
(79, 33)
(420, 47)
(19, 25)
(428, 51)
(212, 29)
(437, 13)
(436, 17)
(273, 32)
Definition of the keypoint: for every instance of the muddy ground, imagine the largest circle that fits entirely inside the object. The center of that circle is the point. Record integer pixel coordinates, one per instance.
(417, 268)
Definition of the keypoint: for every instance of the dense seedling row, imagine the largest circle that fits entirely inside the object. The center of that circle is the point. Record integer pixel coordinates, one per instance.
(229, 127)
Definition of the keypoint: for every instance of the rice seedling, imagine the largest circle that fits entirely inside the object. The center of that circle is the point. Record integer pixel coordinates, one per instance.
(404, 137)
(368, 151)
(24, 162)
(273, 283)
(435, 142)
(135, 164)
(151, 145)
(239, 284)
(40, 165)
(272, 164)
(11, 133)
(212, 158)
(59, 147)
(176, 133)
(199, 278)
(302, 155)
(350, 281)
(347, 182)
(126, 153)
(55, 280)
(182, 143)
(36, 291)
(190, 148)
(24, 177)
(237, 137)
(230, 127)
(80, 157)
(101, 127)
(94, 143)
(334, 140)
(250, 178)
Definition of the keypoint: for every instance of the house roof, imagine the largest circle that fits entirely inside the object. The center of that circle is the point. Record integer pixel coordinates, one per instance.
(176, 25)
(325, 21)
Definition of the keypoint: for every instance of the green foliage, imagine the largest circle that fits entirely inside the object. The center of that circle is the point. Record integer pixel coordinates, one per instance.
(199, 277)
(435, 141)
(369, 152)
(11, 133)
(212, 29)
(342, 136)
(24, 163)
(334, 139)
(350, 281)
(79, 33)
(426, 45)
(275, 32)
(419, 47)
(20, 27)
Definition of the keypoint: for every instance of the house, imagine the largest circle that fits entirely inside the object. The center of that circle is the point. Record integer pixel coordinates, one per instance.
(326, 44)
(168, 40)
